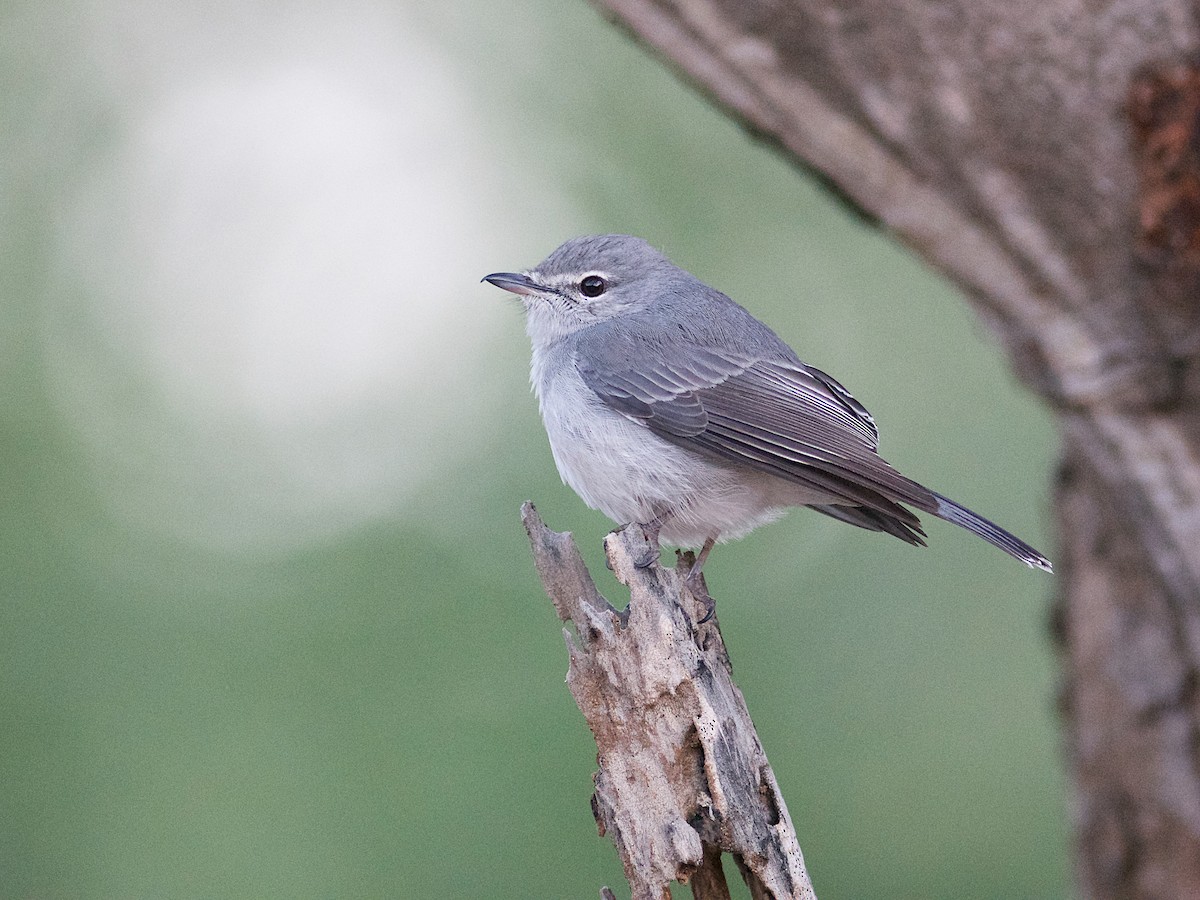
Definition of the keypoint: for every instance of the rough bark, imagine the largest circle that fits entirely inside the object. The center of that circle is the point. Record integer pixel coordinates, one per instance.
(683, 776)
(1046, 157)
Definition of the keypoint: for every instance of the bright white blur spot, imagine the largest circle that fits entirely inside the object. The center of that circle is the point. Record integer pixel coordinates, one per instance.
(268, 326)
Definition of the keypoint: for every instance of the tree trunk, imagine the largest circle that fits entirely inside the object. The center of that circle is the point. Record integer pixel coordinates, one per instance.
(1046, 157)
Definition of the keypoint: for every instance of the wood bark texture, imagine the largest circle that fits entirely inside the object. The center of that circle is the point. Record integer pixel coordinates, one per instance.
(683, 776)
(1046, 157)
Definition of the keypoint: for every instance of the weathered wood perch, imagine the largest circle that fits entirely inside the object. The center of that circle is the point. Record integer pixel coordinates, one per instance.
(683, 777)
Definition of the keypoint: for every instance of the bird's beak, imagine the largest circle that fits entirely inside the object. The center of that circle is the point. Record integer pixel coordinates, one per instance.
(513, 281)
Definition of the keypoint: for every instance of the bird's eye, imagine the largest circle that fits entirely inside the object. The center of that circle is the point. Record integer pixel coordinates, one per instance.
(592, 285)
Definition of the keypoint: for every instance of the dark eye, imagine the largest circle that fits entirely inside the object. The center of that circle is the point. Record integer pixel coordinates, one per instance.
(592, 286)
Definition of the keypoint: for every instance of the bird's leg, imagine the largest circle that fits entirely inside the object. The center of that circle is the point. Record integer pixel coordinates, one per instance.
(650, 531)
(695, 583)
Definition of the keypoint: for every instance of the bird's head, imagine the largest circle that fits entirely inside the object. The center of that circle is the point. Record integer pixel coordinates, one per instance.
(587, 280)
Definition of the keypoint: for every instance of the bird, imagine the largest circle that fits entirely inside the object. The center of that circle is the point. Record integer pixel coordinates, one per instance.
(668, 405)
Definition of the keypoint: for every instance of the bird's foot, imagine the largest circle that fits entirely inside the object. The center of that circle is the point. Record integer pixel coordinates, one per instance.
(648, 556)
(652, 551)
(694, 582)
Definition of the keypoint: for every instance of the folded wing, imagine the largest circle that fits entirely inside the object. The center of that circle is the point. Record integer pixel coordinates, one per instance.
(780, 417)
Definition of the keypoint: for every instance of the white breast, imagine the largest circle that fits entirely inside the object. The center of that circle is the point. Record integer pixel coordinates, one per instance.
(630, 474)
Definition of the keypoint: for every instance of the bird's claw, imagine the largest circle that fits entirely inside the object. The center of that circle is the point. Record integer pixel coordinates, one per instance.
(652, 551)
(699, 591)
(648, 557)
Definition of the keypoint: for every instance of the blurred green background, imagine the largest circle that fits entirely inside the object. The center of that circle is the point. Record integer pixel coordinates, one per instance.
(269, 623)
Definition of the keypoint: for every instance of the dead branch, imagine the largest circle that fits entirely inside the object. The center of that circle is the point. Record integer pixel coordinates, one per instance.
(683, 777)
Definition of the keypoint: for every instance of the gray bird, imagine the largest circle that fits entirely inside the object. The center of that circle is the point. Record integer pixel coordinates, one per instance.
(669, 405)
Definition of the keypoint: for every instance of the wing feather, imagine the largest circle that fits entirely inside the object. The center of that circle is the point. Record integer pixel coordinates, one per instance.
(777, 416)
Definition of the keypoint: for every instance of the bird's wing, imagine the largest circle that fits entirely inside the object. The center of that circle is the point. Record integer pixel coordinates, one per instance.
(777, 416)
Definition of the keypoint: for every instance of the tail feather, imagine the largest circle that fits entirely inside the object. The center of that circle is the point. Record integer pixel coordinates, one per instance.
(991, 532)
(874, 520)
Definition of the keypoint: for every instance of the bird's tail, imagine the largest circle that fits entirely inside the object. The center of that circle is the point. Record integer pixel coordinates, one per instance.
(991, 532)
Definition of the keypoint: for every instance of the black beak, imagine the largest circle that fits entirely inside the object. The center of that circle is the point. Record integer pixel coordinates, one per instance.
(512, 281)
